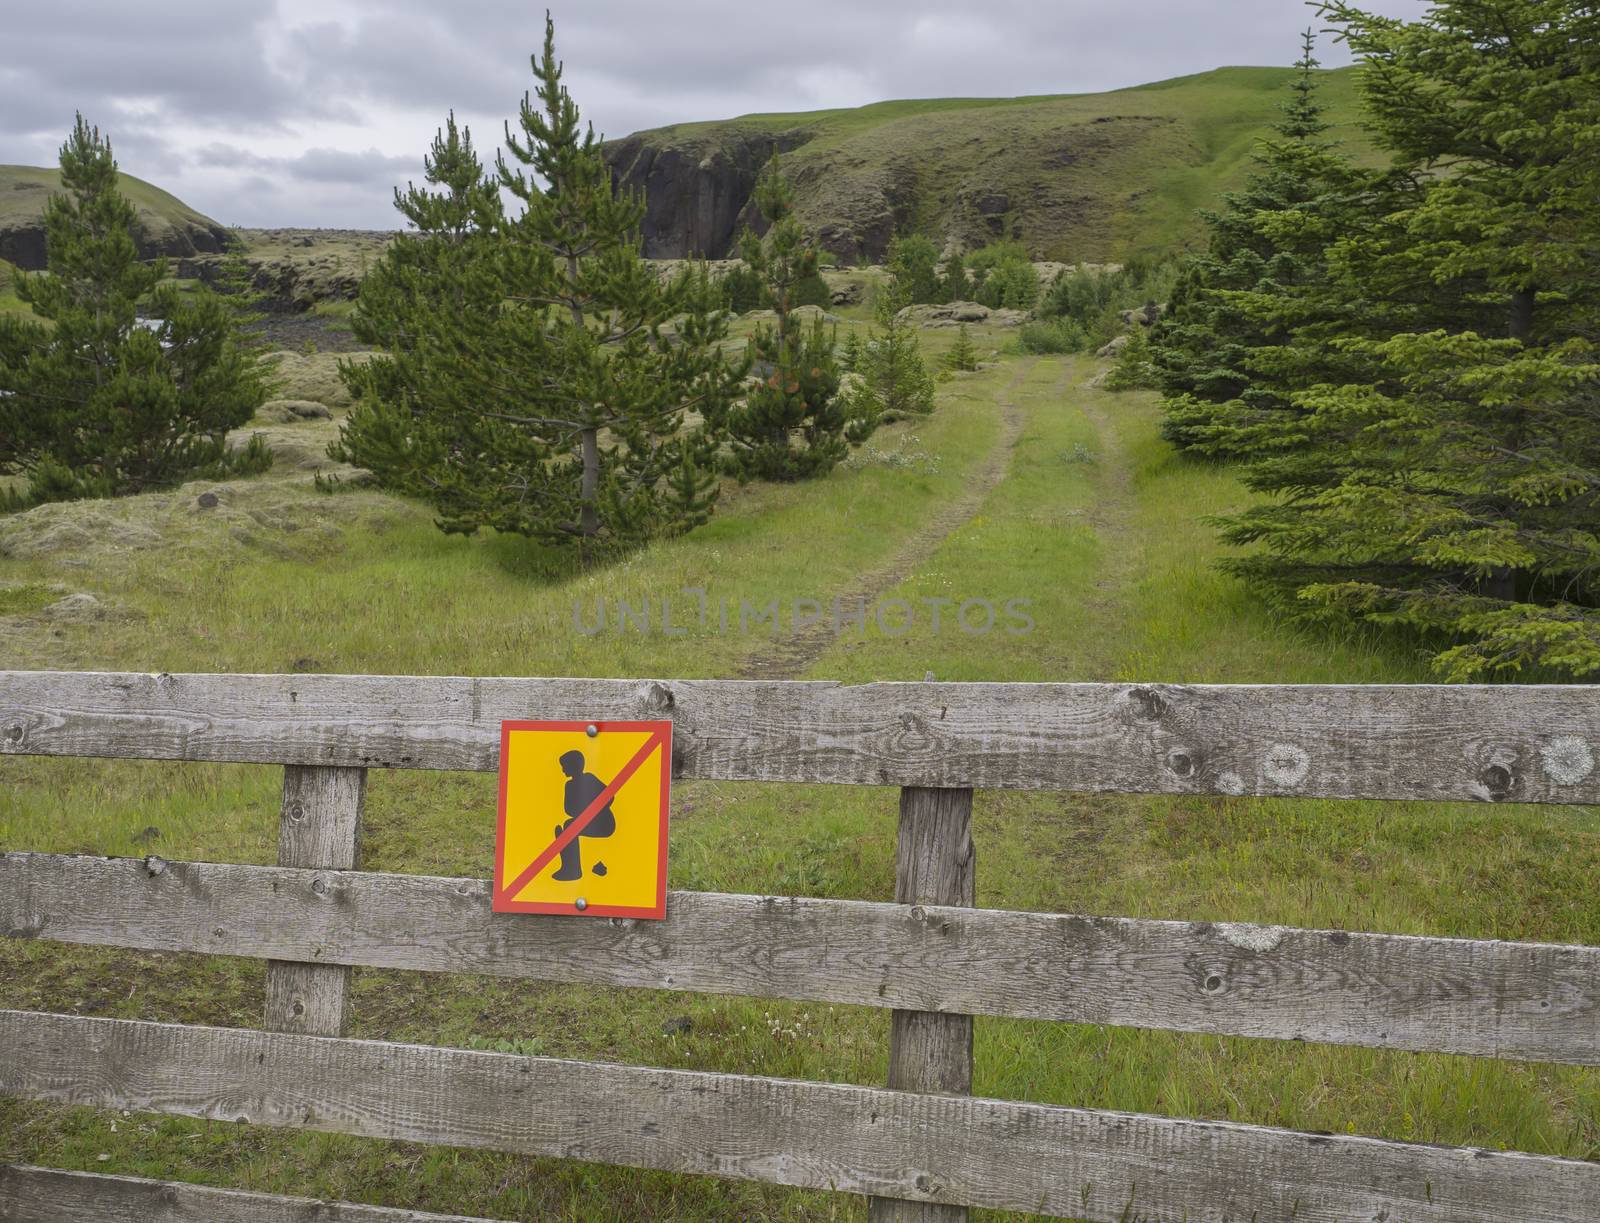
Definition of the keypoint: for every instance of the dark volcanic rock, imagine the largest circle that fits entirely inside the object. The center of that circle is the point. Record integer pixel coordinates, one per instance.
(697, 195)
(24, 244)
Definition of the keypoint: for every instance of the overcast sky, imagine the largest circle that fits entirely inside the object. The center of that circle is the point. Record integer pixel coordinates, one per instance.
(309, 112)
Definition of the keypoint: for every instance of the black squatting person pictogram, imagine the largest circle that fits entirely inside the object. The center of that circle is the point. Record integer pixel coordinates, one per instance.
(582, 789)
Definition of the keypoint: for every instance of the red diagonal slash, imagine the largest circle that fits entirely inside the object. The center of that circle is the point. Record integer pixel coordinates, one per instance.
(582, 821)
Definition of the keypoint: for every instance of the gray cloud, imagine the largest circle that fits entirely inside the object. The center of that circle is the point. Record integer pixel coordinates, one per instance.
(314, 165)
(297, 112)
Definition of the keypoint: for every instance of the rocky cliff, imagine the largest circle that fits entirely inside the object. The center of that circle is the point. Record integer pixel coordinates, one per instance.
(1080, 177)
(698, 189)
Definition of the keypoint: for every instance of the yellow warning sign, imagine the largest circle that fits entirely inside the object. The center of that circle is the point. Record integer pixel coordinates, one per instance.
(583, 818)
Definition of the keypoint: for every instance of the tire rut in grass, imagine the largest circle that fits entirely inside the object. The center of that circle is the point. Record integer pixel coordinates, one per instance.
(1113, 520)
(789, 658)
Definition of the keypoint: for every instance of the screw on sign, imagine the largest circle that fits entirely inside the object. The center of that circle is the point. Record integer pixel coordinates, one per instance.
(583, 818)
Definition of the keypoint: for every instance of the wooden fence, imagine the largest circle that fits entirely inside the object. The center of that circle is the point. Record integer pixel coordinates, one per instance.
(921, 1149)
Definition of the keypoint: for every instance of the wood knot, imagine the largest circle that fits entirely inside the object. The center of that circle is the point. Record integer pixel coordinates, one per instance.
(1213, 984)
(1180, 764)
(1151, 705)
(296, 813)
(660, 697)
(1498, 781)
(319, 887)
(14, 732)
(33, 925)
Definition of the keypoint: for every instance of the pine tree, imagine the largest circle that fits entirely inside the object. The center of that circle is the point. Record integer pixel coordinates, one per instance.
(851, 352)
(963, 355)
(1260, 285)
(554, 386)
(434, 306)
(895, 380)
(1464, 435)
(792, 423)
(95, 403)
(914, 268)
(742, 290)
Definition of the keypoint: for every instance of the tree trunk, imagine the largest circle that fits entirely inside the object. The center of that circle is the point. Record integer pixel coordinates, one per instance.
(588, 514)
(1520, 323)
(589, 486)
(1502, 583)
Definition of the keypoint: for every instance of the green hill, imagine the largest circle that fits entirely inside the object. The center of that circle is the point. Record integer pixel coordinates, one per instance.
(1075, 176)
(168, 226)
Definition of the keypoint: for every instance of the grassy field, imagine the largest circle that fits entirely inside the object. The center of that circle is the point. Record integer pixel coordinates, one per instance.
(1092, 518)
(1077, 177)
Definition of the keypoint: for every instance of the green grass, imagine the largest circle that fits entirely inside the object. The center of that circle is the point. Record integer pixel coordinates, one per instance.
(310, 375)
(10, 303)
(1089, 177)
(1097, 524)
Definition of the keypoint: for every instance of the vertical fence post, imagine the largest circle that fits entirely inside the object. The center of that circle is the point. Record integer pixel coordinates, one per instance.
(930, 1051)
(320, 828)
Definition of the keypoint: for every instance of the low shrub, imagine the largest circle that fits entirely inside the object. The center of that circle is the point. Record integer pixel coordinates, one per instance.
(1052, 336)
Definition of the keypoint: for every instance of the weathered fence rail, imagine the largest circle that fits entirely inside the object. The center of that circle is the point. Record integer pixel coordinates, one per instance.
(1537, 1002)
(43, 1195)
(922, 1148)
(1525, 744)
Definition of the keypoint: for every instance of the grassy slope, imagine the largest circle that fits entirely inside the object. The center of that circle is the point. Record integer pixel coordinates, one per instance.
(1097, 523)
(1093, 176)
(9, 302)
(24, 190)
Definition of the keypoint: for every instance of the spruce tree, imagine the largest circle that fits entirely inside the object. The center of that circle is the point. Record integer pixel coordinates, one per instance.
(94, 402)
(554, 386)
(963, 355)
(895, 380)
(1464, 433)
(1260, 285)
(1132, 370)
(792, 423)
(953, 283)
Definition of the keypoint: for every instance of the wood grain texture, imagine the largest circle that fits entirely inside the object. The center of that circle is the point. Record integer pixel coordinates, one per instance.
(1494, 743)
(319, 826)
(1012, 1156)
(1539, 1002)
(929, 1050)
(44, 1195)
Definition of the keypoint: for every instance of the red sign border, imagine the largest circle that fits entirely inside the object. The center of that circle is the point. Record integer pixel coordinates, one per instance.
(502, 903)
